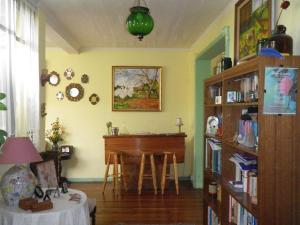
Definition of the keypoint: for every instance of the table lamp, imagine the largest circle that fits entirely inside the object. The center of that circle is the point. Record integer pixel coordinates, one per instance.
(18, 182)
(179, 123)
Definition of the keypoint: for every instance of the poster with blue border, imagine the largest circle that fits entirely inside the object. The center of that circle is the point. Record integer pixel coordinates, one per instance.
(280, 90)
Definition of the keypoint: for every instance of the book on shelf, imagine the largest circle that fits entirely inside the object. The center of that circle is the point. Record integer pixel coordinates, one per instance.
(213, 155)
(239, 215)
(212, 218)
(245, 175)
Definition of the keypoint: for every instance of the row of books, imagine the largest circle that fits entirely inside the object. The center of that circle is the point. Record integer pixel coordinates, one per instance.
(239, 215)
(215, 91)
(213, 155)
(248, 90)
(212, 218)
(245, 175)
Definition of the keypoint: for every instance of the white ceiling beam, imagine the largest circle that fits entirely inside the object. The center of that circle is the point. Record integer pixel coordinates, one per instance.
(58, 32)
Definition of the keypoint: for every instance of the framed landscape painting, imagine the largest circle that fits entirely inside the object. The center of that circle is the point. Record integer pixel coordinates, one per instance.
(253, 21)
(136, 88)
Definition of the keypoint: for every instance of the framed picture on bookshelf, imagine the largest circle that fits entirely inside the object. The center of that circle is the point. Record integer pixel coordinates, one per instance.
(280, 90)
(136, 88)
(253, 21)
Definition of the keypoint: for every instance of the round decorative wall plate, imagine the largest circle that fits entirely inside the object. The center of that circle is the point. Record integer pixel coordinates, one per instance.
(54, 78)
(94, 99)
(59, 96)
(69, 73)
(84, 78)
(74, 92)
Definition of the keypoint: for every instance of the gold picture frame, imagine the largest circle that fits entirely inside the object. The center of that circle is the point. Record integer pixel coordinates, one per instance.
(253, 21)
(136, 88)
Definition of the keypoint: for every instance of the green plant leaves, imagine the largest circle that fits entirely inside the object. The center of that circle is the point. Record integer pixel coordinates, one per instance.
(3, 134)
(2, 96)
(2, 106)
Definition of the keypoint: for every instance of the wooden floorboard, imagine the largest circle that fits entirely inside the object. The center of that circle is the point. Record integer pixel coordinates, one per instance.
(130, 208)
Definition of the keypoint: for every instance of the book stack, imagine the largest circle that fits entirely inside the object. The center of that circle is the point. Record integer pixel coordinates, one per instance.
(239, 215)
(245, 174)
(212, 217)
(213, 155)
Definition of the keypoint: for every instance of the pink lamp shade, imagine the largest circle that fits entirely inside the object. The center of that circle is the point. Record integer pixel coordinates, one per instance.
(18, 150)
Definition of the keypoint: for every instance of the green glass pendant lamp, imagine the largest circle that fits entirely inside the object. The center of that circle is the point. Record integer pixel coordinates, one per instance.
(139, 22)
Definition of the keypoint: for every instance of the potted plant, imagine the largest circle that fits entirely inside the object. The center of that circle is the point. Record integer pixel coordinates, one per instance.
(3, 133)
(54, 135)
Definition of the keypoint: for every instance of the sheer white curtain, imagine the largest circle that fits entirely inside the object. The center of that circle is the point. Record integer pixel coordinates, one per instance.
(19, 73)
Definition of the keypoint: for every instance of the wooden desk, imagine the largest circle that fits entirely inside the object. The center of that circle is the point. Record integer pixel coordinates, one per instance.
(132, 145)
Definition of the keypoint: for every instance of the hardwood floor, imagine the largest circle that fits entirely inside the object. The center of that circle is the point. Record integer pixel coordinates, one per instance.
(130, 208)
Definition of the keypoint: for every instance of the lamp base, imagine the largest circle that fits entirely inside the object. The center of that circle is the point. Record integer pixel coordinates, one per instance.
(17, 183)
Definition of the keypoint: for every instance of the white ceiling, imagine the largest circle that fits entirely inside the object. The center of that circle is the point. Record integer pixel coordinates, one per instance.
(75, 25)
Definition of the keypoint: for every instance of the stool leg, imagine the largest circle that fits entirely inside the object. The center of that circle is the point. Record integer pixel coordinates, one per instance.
(116, 172)
(153, 173)
(106, 172)
(175, 174)
(123, 174)
(163, 176)
(141, 175)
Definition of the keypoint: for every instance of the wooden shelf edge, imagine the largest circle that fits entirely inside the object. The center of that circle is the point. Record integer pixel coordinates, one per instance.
(213, 203)
(241, 104)
(213, 136)
(242, 198)
(213, 105)
(251, 151)
(213, 175)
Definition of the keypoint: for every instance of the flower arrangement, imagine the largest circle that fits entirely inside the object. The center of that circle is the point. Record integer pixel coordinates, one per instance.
(284, 5)
(54, 135)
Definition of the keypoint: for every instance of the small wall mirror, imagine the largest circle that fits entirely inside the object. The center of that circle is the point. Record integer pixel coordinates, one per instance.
(94, 99)
(74, 92)
(54, 78)
(69, 73)
(59, 96)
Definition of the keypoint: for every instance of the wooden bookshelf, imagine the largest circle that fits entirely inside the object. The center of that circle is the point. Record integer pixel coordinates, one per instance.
(277, 153)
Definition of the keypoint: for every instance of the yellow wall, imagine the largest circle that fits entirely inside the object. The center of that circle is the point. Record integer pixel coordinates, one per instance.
(85, 123)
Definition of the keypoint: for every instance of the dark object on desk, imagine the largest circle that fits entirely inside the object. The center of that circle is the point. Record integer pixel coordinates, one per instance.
(66, 151)
(47, 196)
(226, 63)
(38, 191)
(282, 42)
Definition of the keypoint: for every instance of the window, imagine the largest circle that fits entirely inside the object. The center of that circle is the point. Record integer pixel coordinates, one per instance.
(19, 72)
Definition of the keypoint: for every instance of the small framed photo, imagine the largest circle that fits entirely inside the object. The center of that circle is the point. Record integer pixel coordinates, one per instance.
(64, 187)
(65, 148)
(231, 96)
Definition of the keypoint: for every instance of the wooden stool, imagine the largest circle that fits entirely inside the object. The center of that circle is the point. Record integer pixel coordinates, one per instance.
(142, 175)
(164, 172)
(116, 156)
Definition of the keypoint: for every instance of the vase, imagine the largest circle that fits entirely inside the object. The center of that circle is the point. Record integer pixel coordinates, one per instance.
(55, 146)
(282, 42)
